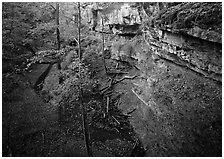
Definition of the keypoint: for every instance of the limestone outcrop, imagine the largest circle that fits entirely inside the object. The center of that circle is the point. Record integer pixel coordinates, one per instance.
(183, 35)
(202, 20)
(122, 18)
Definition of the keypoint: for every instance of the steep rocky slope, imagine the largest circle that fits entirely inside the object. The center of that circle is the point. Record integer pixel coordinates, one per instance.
(178, 111)
(177, 95)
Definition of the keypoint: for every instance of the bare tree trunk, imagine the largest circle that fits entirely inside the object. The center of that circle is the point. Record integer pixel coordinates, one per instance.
(104, 63)
(57, 23)
(58, 33)
(84, 111)
(79, 32)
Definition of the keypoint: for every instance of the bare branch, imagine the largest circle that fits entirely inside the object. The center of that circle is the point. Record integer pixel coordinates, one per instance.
(108, 102)
(52, 7)
(125, 77)
(116, 120)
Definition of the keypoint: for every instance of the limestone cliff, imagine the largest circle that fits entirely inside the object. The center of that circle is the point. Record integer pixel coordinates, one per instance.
(178, 32)
(188, 34)
(203, 20)
(178, 87)
(120, 18)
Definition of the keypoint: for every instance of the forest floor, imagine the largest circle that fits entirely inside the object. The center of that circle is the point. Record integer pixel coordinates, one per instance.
(177, 114)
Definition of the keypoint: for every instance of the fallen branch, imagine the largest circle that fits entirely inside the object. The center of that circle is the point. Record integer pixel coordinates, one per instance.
(108, 87)
(121, 116)
(154, 109)
(117, 130)
(117, 81)
(108, 93)
(125, 77)
(131, 111)
(102, 90)
(140, 98)
(108, 102)
(111, 82)
(52, 7)
(116, 120)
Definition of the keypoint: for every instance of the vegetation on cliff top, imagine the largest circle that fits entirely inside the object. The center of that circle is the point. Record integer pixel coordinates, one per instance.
(187, 15)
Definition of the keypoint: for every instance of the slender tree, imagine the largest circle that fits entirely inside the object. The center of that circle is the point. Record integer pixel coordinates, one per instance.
(104, 63)
(58, 35)
(84, 111)
(57, 23)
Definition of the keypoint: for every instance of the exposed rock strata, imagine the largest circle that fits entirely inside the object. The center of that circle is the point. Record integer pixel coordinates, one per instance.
(188, 34)
(202, 56)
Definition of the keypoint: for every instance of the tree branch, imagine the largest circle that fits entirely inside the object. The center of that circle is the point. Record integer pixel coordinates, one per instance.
(125, 77)
(52, 7)
(84, 111)
(108, 102)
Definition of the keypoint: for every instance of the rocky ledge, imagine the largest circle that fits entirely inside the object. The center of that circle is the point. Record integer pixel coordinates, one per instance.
(188, 34)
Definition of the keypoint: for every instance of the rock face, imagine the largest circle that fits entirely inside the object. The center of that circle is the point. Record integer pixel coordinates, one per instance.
(202, 56)
(202, 20)
(121, 18)
(179, 112)
(188, 34)
(184, 35)
(125, 20)
(126, 15)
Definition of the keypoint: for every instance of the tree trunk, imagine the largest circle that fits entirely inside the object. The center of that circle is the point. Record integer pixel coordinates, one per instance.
(79, 30)
(58, 32)
(57, 23)
(104, 63)
(84, 111)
